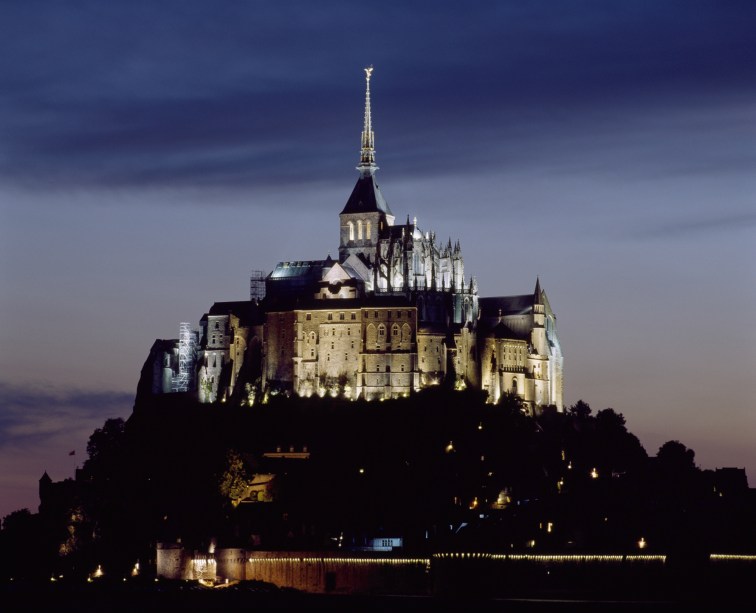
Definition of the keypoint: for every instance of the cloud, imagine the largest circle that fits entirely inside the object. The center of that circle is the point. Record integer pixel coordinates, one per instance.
(176, 95)
(732, 222)
(35, 417)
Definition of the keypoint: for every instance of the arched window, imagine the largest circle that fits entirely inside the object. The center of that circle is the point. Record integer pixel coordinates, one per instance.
(217, 326)
(514, 386)
(406, 333)
(395, 330)
(367, 230)
(359, 229)
(351, 230)
(370, 335)
(381, 330)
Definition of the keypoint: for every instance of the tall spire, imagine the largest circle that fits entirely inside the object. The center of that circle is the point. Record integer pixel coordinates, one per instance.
(367, 154)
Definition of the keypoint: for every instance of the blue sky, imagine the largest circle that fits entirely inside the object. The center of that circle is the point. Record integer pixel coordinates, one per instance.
(153, 153)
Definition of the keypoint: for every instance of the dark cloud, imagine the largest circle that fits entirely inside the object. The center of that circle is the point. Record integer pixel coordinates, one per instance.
(176, 94)
(35, 416)
(716, 224)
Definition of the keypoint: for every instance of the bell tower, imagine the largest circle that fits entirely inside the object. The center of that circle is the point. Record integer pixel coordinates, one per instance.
(366, 214)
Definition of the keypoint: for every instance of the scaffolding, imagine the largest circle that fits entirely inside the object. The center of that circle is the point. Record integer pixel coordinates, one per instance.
(183, 381)
(257, 285)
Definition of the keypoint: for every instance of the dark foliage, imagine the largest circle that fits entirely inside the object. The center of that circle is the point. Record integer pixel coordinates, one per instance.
(442, 469)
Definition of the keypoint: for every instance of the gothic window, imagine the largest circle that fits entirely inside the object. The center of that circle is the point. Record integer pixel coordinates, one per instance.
(371, 335)
(367, 230)
(217, 326)
(514, 386)
(395, 330)
(351, 230)
(406, 333)
(359, 229)
(381, 330)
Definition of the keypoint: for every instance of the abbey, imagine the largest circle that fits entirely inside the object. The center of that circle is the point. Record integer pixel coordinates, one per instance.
(394, 314)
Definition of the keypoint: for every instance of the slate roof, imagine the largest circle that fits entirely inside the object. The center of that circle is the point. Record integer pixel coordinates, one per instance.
(509, 305)
(247, 311)
(366, 198)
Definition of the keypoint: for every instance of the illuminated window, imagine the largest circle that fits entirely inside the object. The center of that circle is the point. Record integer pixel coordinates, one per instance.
(351, 230)
(359, 229)
(367, 230)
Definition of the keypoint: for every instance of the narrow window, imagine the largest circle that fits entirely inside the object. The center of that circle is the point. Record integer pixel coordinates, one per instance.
(354, 315)
(341, 316)
(351, 230)
(330, 316)
(367, 230)
(308, 317)
(359, 229)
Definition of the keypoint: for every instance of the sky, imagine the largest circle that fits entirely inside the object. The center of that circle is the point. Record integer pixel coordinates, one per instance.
(153, 153)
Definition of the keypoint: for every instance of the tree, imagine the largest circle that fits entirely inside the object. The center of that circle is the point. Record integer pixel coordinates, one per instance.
(106, 441)
(675, 457)
(234, 480)
(580, 409)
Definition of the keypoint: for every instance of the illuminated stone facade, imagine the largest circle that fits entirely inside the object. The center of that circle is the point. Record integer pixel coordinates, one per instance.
(393, 315)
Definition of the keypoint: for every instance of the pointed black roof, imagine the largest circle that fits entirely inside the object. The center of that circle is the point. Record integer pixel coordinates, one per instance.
(366, 197)
(537, 296)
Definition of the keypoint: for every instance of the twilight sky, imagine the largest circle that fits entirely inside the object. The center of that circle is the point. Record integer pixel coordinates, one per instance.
(153, 153)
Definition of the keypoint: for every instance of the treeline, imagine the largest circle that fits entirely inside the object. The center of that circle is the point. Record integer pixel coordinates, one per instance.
(442, 469)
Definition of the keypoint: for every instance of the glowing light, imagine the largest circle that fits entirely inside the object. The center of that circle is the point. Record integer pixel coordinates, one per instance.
(98, 572)
(642, 543)
(449, 448)
(594, 473)
(480, 426)
(361, 471)
(549, 527)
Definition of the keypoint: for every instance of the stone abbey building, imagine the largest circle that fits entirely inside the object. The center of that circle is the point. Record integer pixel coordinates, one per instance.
(393, 315)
